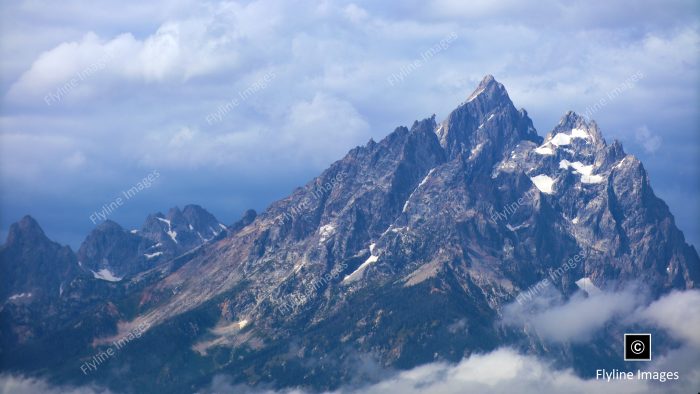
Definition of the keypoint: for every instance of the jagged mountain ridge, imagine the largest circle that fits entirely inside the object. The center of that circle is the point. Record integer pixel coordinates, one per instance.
(403, 162)
(161, 238)
(45, 285)
(395, 251)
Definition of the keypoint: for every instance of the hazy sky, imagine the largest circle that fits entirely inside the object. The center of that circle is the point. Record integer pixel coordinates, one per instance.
(96, 96)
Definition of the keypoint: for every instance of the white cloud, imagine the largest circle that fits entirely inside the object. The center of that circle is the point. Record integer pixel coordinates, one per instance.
(579, 317)
(20, 385)
(501, 371)
(572, 320)
(355, 13)
(678, 313)
(321, 129)
(17, 170)
(505, 370)
(314, 132)
(177, 51)
(74, 161)
(650, 142)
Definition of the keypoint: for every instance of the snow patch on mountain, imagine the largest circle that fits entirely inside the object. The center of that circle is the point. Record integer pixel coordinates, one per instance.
(618, 165)
(105, 274)
(358, 272)
(586, 171)
(586, 284)
(405, 205)
(171, 233)
(545, 149)
(299, 265)
(579, 133)
(475, 151)
(20, 295)
(475, 95)
(152, 255)
(544, 183)
(422, 274)
(561, 139)
(325, 232)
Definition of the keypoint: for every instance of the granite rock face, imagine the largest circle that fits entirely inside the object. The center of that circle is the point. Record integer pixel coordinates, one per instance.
(161, 238)
(31, 265)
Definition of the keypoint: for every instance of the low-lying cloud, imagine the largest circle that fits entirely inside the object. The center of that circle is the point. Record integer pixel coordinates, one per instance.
(574, 320)
(678, 313)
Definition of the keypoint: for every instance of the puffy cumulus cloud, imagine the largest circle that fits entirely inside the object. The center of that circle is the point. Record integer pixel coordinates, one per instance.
(604, 77)
(650, 141)
(214, 39)
(315, 132)
(64, 152)
(678, 313)
(21, 385)
(322, 128)
(502, 371)
(355, 13)
(578, 318)
(569, 15)
(574, 320)
(177, 50)
(193, 148)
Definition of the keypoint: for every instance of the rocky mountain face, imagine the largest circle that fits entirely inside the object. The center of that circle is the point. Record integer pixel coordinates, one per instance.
(113, 252)
(46, 286)
(401, 253)
(45, 265)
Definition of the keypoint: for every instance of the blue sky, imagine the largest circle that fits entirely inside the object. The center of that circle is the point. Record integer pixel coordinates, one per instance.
(96, 97)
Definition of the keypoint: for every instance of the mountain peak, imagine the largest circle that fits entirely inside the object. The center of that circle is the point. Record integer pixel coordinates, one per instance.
(488, 78)
(108, 225)
(427, 123)
(26, 229)
(28, 222)
(193, 208)
(571, 121)
(487, 115)
(489, 89)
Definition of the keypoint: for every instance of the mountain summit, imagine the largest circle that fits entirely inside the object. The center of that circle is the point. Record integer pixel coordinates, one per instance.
(489, 90)
(488, 120)
(405, 251)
